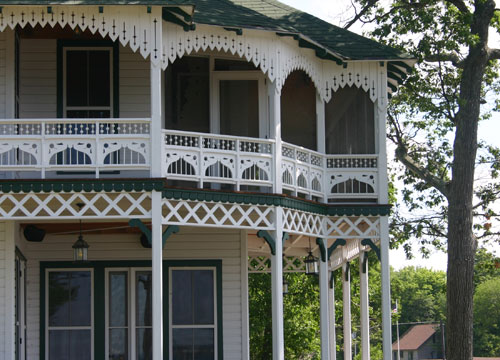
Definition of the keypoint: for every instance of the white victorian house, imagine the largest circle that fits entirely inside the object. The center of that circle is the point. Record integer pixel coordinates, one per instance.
(187, 143)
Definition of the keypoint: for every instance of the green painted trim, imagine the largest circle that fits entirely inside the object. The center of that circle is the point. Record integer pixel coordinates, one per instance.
(276, 200)
(171, 229)
(332, 280)
(81, 185)
(347, 270)
(177, 10)
(238, 31)
(263, 234)
(338, 242)
(364, 261)
(100, 291)
(168, 16)
(319, 50)
(371, 244)
(322, 248)
(61, 44)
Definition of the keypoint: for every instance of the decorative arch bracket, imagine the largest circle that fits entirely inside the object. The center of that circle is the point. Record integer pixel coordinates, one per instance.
(263, 234)
(371, 244)
(171, 229)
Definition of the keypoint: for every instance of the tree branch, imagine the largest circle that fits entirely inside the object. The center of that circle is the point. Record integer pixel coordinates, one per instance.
(453, 58)
(359, 15)
(410, 164)
(460, 6)
(493, 54)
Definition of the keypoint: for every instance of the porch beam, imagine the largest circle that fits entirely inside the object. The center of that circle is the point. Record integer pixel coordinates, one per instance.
(363, 294)
(157, 259)
(324, 302)
(346, 294)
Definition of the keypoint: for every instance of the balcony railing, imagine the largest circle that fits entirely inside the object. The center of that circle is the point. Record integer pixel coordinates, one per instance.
(100, 145)
(74, 144)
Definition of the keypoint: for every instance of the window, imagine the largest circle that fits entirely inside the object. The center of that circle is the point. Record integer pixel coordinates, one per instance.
(192, 317)
(350, 122)
(69, 314)
(105, 311)
(87, 82)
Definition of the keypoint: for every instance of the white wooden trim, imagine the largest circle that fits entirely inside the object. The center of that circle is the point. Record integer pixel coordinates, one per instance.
(92, 325)
(346, 295)
(324, 307)
(245, 322)
(10, 269)
(274, 105)
(277, 289)
(364, 310)
(157, 262)
(385, 276)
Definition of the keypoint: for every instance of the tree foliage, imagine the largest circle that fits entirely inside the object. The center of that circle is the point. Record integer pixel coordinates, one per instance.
(434, 121)
(487, 318)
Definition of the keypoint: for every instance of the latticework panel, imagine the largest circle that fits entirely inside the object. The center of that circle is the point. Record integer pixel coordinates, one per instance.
(262, 264)
(352, 227)
(63, 205)
(300, 222)
(217, 214)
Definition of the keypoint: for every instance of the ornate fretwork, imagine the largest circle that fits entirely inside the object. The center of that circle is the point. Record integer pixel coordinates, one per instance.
(215, 214)
(351, 227)
(62, 205)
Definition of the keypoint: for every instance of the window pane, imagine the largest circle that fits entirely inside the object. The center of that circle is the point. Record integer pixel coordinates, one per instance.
(182, 308)
(239, 107)
(203, 344)
(99, 78)
(118, 295)
(80, 298)
(118, 344)
(203, 297)
(182, 346)
(59, 298)
(76, 78)
(69, 298)
(143, 298)
(70, 344)
(144, 344)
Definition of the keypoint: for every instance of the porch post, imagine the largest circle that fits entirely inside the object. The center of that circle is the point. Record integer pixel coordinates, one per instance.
(320, 124)
(363, 294)
(346, 293)
(7, 297)
(277, 289)
(275, 121)
(331, 309)
(323, 303)
(157, 248)
(386, 287)
(156, 119)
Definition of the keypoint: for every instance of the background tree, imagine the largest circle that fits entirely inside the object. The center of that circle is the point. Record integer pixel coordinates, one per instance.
(434, 125)
(487, 318)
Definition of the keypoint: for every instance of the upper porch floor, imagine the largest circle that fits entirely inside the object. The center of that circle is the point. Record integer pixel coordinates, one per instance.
(78, 104)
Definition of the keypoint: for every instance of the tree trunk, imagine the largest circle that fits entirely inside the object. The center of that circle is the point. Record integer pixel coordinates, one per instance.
(461, 241)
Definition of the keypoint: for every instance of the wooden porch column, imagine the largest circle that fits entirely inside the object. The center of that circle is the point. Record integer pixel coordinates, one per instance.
(386, 288)
(275, 121)
(346, 293)
(277, 288)
(324, 305)
(363, 294)
(331, 309)
(156, 121)
(157, 258)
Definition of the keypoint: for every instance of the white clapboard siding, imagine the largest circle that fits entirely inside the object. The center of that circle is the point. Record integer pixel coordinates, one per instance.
(188, 244)
(37, 78)
(134, 84)
(3, 309)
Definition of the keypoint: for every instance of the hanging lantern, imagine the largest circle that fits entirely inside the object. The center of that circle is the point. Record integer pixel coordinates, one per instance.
(311, 264)
(285, 286)
(80, 247)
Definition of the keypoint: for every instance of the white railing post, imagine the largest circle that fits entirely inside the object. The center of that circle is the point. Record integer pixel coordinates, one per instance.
(99, 158)
(43, 149)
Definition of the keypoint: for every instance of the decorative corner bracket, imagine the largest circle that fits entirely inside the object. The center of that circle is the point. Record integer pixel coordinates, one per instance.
(364, 261)
(263, 234)
(171, 229)
(337, 243)
(371, 244)
(347, 270)
(332, 280)
(322, 249)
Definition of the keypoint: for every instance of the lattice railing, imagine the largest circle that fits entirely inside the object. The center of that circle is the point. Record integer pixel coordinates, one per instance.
(76, 144)
(218, 158)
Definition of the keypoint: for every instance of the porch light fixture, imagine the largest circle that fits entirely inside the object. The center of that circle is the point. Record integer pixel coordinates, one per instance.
(311, 262)
(80, 247)
(285, 286)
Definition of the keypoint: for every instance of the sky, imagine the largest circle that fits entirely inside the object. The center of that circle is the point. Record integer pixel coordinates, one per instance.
(336, 12)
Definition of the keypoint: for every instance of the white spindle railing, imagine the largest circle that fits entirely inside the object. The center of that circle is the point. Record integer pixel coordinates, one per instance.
(74, 144)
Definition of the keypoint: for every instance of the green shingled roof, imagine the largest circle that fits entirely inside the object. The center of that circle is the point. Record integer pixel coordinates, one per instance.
(332, 42)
